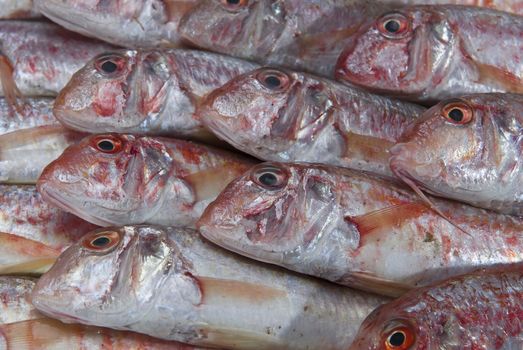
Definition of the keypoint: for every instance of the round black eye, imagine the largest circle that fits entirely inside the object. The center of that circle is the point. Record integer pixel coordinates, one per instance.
(109, 67)
(106, 145)
(272, 82)
(100, 242)
(456, 114)
(392, 26)
(268, 179)
(397, 339)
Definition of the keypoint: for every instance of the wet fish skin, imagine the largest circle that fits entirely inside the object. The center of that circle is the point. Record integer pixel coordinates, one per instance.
(44, 56)
(481, 310)
(438, 52)
(15, 303)
(475, 159)
(133, 23)
(355, 229)
(306, 118)
(22, 9)
(138, 179)
(35, 111)
(24, 213)
(25, 153)
(150, 91)
(195, 292)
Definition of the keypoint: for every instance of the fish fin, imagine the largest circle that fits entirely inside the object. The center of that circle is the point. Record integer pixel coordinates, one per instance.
(33, 267)
(234, 338)
(492, 74)
(385, 218)
(12, 94)
(369, 282)
(39, 333)
(367, 147)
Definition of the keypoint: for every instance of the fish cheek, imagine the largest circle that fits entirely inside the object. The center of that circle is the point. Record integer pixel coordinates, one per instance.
(153, 83)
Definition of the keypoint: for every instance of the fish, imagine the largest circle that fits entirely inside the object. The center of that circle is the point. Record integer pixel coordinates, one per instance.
(15, 302)
(153, 92)
(477, 311)
(172, 284)
(23, 256)
(26, 152)
(24, 213)
(133, 23)
(512, 6)
(279, 115)
(356, 229)
(115, 179)
(35, 111)
(467, 149)
(18, 9)
(38, 58)
(431, 53)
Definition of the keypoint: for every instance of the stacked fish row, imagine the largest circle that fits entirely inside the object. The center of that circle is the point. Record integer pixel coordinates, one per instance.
(308, 151)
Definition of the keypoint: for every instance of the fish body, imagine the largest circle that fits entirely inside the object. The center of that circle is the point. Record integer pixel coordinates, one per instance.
(15, 302)
(132, 23)
(285, 116)
(172, 284)
(22, 256)
(147, 92)
(42, 56)
(117, 178)
(37, 111)
(512, 6)
(22, 9)
(468, 149)
(477, 311)
(25, 153)
(355, 229)
(24, 213)
(429, 53)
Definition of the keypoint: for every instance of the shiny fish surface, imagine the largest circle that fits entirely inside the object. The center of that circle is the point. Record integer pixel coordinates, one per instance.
(430, 53)
(24, 213)
(25, 153)
(468, 149)
(172, 284)
(19, 255)
(34, 112)
(284, 116)
(146, 92)
(117, 179)
(354, 229)
(130, 23)
(23, 9)
(43, 56)
(478, 311)
(15, 304)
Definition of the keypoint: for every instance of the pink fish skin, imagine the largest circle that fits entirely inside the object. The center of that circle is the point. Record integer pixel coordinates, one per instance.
(355, 229)
(279, 115)
(144, 91)
(512, 6)
(121, 178)
(477, 311)
(468, 149)
(430, 53)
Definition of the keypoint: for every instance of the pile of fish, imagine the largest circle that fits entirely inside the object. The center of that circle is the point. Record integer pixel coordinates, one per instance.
(261, 174)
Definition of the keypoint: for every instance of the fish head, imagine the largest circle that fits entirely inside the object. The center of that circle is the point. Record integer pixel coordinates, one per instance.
(108, 178)
(268, 111)
(271, 213)
(400, 53)
(114, 92)
(247, 28)
(457, 146)
(107, 278)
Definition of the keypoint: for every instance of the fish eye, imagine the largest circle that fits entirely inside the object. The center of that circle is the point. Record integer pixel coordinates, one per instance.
(110, 64)
(234, 4)
(273, 80)
(108, 144)
(457, 112)
(399, 338)
(101, 241)
(394, 25)
(270, 177)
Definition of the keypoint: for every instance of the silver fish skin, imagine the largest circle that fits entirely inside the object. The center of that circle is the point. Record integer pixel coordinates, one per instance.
(468, 149)
(24, 213)
(25, 153)
(114, 179)
(44, 56)
(130, 23)
(477, 311)
(172, 284)
(15, 302)
(144, 91)
(355, 229)
(279, 115)
(430, 53)
(37, 111)
(20, 9)
(512, 6)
